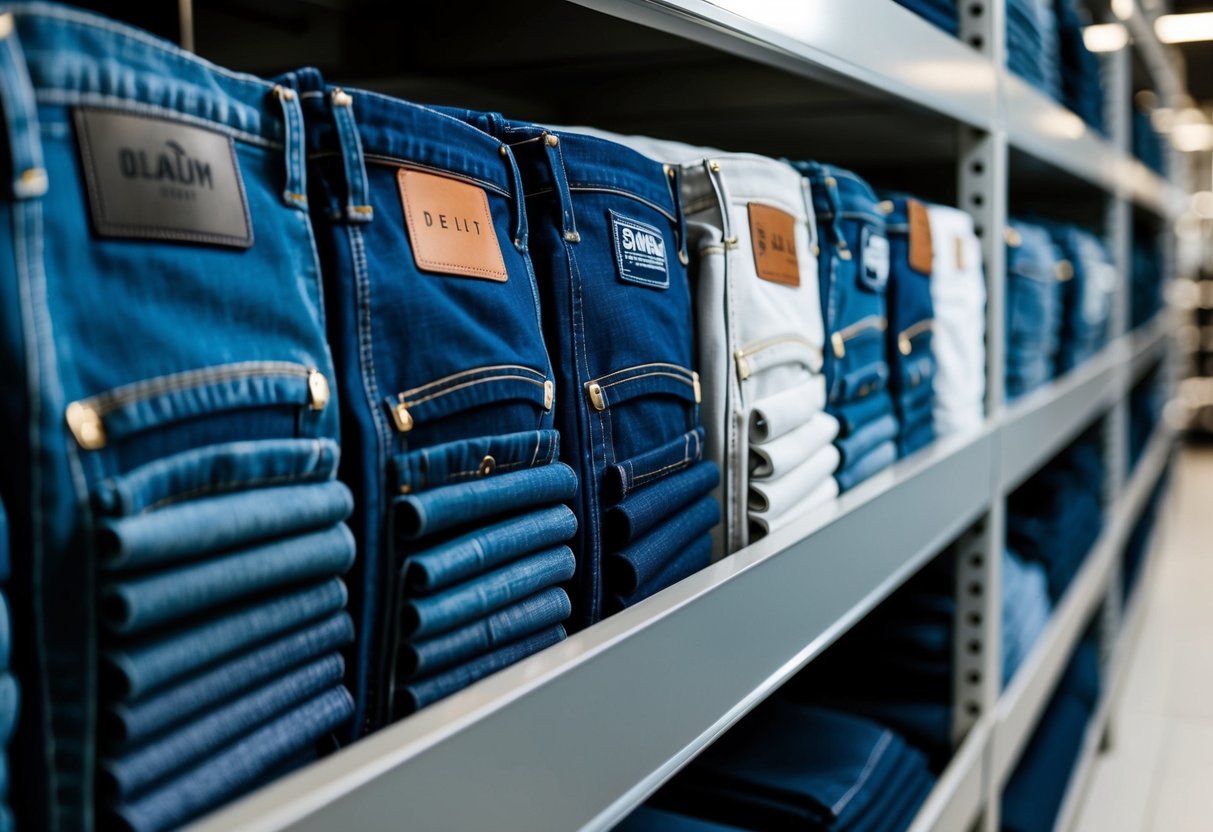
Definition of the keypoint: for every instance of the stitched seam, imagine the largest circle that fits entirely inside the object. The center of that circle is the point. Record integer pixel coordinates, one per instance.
(646, 375)
(392, 161)
(476, 471)
(462, 373)
(233, 485)
(885, 738)
(640, 366)
(129, 393)
(452, 389)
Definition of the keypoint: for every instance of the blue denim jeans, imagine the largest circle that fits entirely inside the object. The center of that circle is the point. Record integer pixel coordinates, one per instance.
(169, 192)
(1025, 610)
(5, 563)
(648, 819)
(435, 321)
(911, 321)
(874, 461)
(692, 557)
(855, 270)
(127, 724)
(237, 767)
(1085, 294)
(940, 13)
(1033, 301)
(609, 243)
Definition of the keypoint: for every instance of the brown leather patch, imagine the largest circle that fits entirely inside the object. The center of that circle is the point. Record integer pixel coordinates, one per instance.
(773, 233)
(450, 226)
(921, 254)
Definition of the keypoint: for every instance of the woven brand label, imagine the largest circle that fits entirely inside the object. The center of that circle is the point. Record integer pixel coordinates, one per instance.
(640, 252)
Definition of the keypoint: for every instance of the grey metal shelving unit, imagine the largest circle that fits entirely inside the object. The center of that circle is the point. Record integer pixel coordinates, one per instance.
(580, 734)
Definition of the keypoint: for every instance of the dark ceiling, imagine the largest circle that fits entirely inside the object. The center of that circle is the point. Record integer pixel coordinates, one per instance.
(1199, 56)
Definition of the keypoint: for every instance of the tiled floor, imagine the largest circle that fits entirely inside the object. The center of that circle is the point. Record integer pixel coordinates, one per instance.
(1158, 775)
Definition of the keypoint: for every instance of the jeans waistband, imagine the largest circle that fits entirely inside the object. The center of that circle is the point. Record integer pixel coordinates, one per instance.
(54, 55)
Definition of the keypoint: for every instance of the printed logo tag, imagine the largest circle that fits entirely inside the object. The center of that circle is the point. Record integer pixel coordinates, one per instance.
(450, 226)
(773, 234)
(876, 258)
(639, 252)
(921, 253)
(162, 179)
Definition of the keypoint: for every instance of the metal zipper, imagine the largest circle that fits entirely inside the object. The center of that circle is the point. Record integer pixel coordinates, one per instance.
(839, 338)
(904, 338)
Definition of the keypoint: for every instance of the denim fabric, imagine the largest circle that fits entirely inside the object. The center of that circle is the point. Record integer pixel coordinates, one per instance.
(694, 556)
(647, 819)
(448, 563)
(5, 563)
(539, 611)
(200, 527)
(133, 671)
(780, 456)
(464, 460)
(909, 337)
(644, 510)
(129, 723)
(1086, 295)
(818, 497)
(873, 462)
(940, 13)
(10, 707)
(6, 632)
(441, 509)
(433, 614)
(1025, 610)
(134, 328)
(137, 604)
(1032, 45)
(958, 293)
(1033, 315)
(858, 444)
(416, 695)
(852, 416)
(644, 559)
(134, 771)
(609, 244)
(1082, 89)
(234, 769)
(439, 354)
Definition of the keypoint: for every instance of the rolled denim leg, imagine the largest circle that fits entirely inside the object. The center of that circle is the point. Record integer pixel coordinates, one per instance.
(787, 410)
(134, 671)
(137, 604)
(416, 695)
(133, 772)
(133, 722)
(213, 524)
(651, 466)
(10, 707)
(859, 443)
(644, 509)
(853, 415)
(774, 498)
(773, 459)
(231, 771)
(430, 512)
(434, 614)
(694, 557)
(761, 524)
(528, 616)
(876, 460)
(448, 563)
(644, 559)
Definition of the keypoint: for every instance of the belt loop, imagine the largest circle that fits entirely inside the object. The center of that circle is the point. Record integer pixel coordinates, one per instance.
(716, 179)
(520, 227)
(551, 146)
(295, 192)
(673, 178)
(20, 115)
(358, 203)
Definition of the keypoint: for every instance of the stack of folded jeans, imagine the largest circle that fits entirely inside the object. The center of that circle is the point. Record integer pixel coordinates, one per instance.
(909, 337)
(1033, 308)
(1055, 517)
(610, 247)
(1081, 72)
(172, 479)
(790, 765)
(958, 293)
(752, 239)
(1146, 283)
(451, 446)
(10, 700)
(1025, 609)
(853, 282)
(1032, 46)
(1088, 282)
(1033, 796)
(941, 13)
(896, 666)
(1148, 145)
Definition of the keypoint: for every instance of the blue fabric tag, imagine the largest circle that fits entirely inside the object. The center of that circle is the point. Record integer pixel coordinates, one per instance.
(639, 252)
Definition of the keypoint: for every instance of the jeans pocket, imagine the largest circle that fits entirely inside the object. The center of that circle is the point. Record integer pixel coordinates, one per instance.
(642, 510)
(623, 477)
(644, 402)
(771, 460)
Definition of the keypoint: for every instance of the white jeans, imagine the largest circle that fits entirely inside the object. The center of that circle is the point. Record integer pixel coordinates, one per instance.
(958, 291)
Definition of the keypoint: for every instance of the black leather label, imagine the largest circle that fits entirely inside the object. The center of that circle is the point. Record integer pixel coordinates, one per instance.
(158, 178)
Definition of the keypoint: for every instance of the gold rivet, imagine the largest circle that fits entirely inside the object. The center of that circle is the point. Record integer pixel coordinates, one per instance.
(714, 166)
(549, 393)
(551, 139)
(317, 389)
(85, 424)
(284, 93)
(682, 257)
(34, 180)
(831, 181)
(1064, 270)
(885, 207)
(517, 243)
(816, 250)
(341, 98)
(844, 254)
(572, 237)
(402, 418)
(730, 242)
(406, 489)
(904, 345)
(669, 170)
(695, 387)
(6, 25)
(596, 397)
(503, 151)
(486, 466)
(839, 345)
(1014, 240)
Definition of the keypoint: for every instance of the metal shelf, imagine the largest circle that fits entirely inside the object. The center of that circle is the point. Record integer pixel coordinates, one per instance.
(1044, 421)
(1150, 342)
(956, 800)
(1024, 700)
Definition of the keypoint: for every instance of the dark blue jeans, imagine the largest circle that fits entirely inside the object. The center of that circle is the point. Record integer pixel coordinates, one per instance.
(435, 321)
(153, 333)
(1033, 301)
(1085, 294)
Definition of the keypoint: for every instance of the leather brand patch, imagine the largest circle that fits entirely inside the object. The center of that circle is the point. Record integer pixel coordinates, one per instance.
(773, 233)
(450, 226)
(921, 254)
(639, 252)
(162, 179)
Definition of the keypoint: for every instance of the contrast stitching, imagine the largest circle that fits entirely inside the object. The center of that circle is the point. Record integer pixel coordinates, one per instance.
(462, 373)
(472, 383)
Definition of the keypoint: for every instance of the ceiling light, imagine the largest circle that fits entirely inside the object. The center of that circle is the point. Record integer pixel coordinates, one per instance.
(1105, 37)
(1190, 138)
(1184, 28)
(1123, 9)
